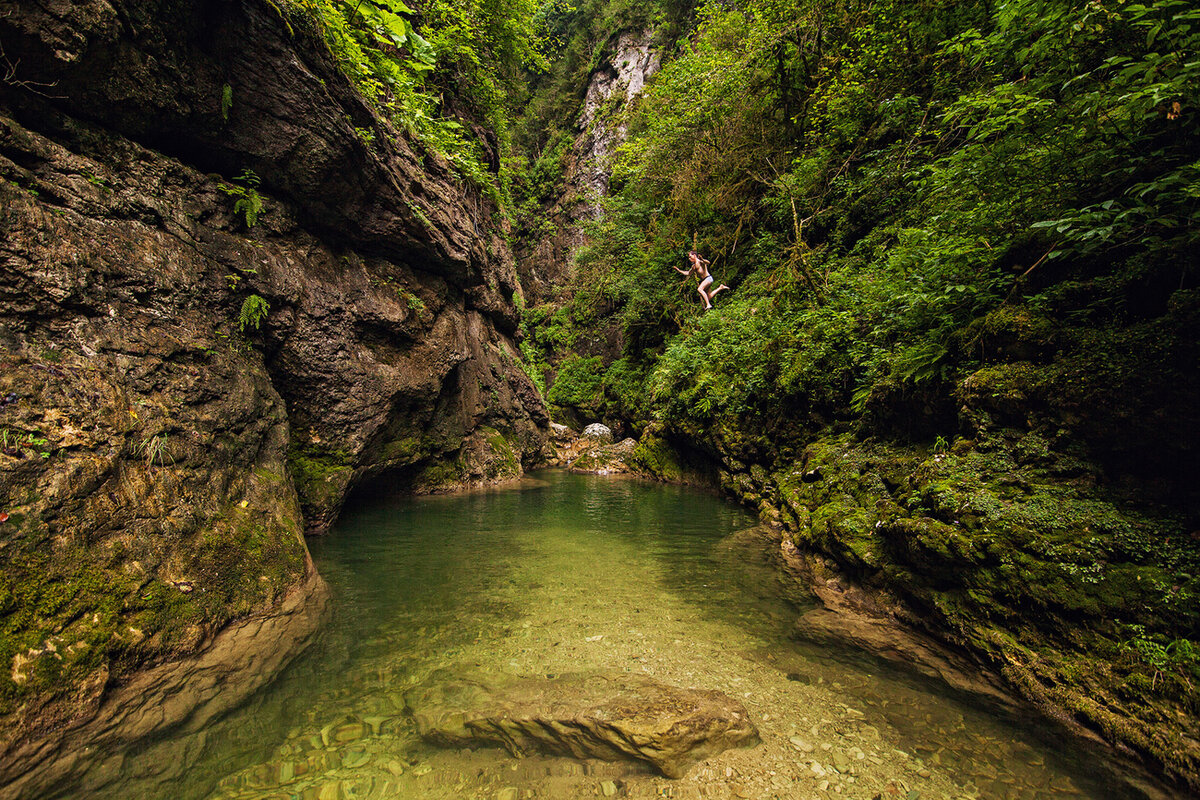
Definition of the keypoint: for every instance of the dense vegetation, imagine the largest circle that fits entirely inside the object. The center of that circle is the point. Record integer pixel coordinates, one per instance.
(959, 354)
(963, 243)
(874, 179)
(435, 67)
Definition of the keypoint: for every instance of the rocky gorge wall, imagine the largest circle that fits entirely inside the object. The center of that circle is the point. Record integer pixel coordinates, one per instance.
(163, 447)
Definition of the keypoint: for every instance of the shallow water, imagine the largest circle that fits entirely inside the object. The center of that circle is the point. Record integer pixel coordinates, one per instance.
(579, 573)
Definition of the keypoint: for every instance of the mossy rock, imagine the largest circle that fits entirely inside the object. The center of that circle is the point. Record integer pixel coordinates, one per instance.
(1009, 544)
(655, 456)
(1012, 333)
(501, 459)
(440, 473)
(321, 475)
(933, 545)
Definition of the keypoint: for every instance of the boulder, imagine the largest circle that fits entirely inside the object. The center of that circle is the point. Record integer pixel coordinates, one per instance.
(610, 717)
(599, 433)
(561, 434)
(605, 460)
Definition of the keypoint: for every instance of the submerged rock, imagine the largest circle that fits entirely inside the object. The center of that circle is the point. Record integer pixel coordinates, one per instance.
(610, 717)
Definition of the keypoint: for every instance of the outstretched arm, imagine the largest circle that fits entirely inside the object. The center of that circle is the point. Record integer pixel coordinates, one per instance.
(681, 271)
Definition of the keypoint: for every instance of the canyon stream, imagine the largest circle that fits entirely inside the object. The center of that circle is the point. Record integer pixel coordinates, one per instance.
(566, 574)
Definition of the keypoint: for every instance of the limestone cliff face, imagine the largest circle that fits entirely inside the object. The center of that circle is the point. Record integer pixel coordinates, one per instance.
(160, 458)
(629, 61)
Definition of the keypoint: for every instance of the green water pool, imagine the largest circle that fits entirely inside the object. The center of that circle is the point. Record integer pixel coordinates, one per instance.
(564, 574)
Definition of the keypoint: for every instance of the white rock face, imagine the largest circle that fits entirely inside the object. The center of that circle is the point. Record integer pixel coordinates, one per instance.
(601, 433)
(631, 63)
(628, 63)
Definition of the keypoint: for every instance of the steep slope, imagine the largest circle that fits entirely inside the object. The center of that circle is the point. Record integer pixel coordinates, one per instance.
(197, 368)
(571, 173)
(958, 362)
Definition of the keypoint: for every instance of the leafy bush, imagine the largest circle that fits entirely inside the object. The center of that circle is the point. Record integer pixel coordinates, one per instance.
(872, 182)
(578, 383)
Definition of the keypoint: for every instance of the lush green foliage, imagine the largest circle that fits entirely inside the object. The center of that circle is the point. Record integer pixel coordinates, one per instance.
(249, 202)
(253, 311)
(873, 178)
(578, 383)
(574, 38)
(938, 218)
(434, 66)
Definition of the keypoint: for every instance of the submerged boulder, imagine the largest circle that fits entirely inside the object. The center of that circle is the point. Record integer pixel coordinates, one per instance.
(610, 717)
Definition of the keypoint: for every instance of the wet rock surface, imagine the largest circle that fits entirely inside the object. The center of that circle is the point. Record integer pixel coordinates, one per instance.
(607, 459)
(610, 717)
(182, 696)
(155, 73)
(162, 452)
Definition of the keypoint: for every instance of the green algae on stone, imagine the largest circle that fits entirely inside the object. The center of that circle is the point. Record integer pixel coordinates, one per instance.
(503, 460)
(655, 456)
(321, 475)
(1060, 587)
(488, 455)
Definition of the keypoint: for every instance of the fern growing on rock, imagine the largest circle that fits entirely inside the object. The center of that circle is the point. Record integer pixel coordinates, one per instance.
(254, 310)
(249, 201)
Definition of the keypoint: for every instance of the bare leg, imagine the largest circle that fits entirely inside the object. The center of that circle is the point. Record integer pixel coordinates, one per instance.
(704, 284)
(713, 293)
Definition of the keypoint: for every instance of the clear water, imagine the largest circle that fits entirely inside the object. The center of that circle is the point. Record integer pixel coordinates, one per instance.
(577, 573)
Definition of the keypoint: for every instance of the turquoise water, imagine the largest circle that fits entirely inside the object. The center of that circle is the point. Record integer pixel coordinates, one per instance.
(580, 573)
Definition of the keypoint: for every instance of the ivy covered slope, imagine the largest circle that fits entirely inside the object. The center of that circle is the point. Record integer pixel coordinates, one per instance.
(234, 282)
(959, 357)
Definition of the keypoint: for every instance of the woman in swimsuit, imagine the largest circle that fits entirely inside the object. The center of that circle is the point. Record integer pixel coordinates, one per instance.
(700, 267)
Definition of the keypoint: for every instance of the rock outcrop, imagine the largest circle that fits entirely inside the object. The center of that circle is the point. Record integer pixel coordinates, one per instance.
(629, 61)
(183, 696)
(183, 391)
(610, 717)
(605, 459)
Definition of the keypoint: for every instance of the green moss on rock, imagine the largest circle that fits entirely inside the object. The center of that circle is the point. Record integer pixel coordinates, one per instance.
(321, 475)
(655, 456)
(1086, 603)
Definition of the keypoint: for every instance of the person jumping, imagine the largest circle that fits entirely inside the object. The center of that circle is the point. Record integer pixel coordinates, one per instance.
(700, 267)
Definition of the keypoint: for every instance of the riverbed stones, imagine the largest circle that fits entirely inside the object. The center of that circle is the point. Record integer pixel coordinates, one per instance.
(561, 434)
(800, 744)
(609, 717)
